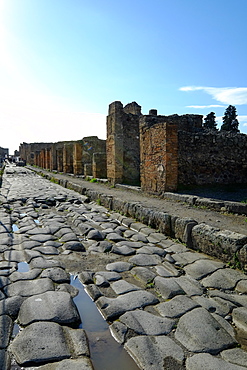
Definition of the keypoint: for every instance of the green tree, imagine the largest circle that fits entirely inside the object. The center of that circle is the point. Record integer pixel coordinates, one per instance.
(230, 122)
(210, 121)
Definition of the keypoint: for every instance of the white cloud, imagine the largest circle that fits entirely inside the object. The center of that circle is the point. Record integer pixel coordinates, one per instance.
(225, 95)
(242, 120)
(206, 106)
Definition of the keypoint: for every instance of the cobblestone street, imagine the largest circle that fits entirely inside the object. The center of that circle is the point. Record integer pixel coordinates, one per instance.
(170, 307)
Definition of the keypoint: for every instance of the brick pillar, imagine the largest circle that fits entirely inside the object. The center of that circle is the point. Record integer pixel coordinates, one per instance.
(114, 143)
(99, 165)
(53, 157)
(122, 144)
(59, 155)
(159, 153)
(77, 158)
(88, 169)
(171, 156)
(68, 158)
(47, 158)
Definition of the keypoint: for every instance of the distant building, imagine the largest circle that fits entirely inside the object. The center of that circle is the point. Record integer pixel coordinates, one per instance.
(4, 152)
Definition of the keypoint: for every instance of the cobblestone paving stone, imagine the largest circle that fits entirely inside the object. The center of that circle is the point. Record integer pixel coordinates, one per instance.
(170, 307)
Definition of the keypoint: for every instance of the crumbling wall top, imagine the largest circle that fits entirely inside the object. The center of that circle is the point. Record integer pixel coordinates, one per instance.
(133, 108)
(115, 106)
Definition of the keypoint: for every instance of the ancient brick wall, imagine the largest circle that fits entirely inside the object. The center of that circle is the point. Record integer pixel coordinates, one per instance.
(99, 165)
(68, 157)
(29, 152)
(64, 156)
(159, 153)
(122, 144)
(77, 158)
(209, 157)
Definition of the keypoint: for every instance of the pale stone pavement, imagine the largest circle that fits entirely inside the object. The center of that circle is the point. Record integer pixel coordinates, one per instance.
(170, 307)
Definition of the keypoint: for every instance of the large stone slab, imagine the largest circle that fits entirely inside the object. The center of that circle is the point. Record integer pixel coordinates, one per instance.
(40, 342)
(119, 266)
(199, 331)
(223, 279)
(145, 260)
(28, 275)
(56, 274)
(205, 361)
(122, 287)
(42, 238)
(201, 268)
(50, 306)
(114, 307)
(239, 317)
(167, 270)
(155, 352)
(6, 326)
(215, 305)
(44, 263)
(10, 306)
(176, 307)
(143, 274)
(145, 323)
(82, 363)
(190, 285)
(235, 356)
(167, 287)
(148, 249)
(28, 288)
(4, 359)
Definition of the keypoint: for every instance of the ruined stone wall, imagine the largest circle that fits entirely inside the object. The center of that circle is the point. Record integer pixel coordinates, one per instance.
(209, 157)
(3, 153)
(77, 158)
(99, 165)
(29, 152)
(122, 145)
(159, 153)
(68, 157)
(64, 156)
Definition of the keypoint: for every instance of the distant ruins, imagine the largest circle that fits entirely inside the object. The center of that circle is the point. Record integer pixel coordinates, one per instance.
(158, 152)
(83, 157)
(4, 152)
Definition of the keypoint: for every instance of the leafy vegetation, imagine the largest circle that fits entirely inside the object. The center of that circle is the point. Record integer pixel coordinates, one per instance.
(210, 121)
(230, 122)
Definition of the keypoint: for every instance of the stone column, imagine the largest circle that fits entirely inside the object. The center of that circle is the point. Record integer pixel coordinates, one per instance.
(99, 165)
(77, 158)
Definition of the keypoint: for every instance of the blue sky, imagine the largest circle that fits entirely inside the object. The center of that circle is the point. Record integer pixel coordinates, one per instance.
(64, 61)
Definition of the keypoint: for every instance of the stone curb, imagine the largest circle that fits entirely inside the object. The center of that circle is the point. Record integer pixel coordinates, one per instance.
(213, 204)
(228, 246)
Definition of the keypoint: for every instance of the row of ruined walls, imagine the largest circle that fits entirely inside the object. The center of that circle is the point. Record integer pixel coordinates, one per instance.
(83, 157)
(166, 152)
(158, 152)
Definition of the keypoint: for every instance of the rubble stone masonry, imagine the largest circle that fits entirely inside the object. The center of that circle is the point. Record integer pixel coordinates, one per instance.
(122, 145)
(159, 153)
(210, 157)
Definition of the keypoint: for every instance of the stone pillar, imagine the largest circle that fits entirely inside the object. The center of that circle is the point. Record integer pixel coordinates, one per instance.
(171, 156)
(114, 143)
(53, 157)
(59, 155)
(68, 158)
(88, 169)
(99, 165)
(47, 158)
(77, 158)
(122, 144)
(159, 153)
